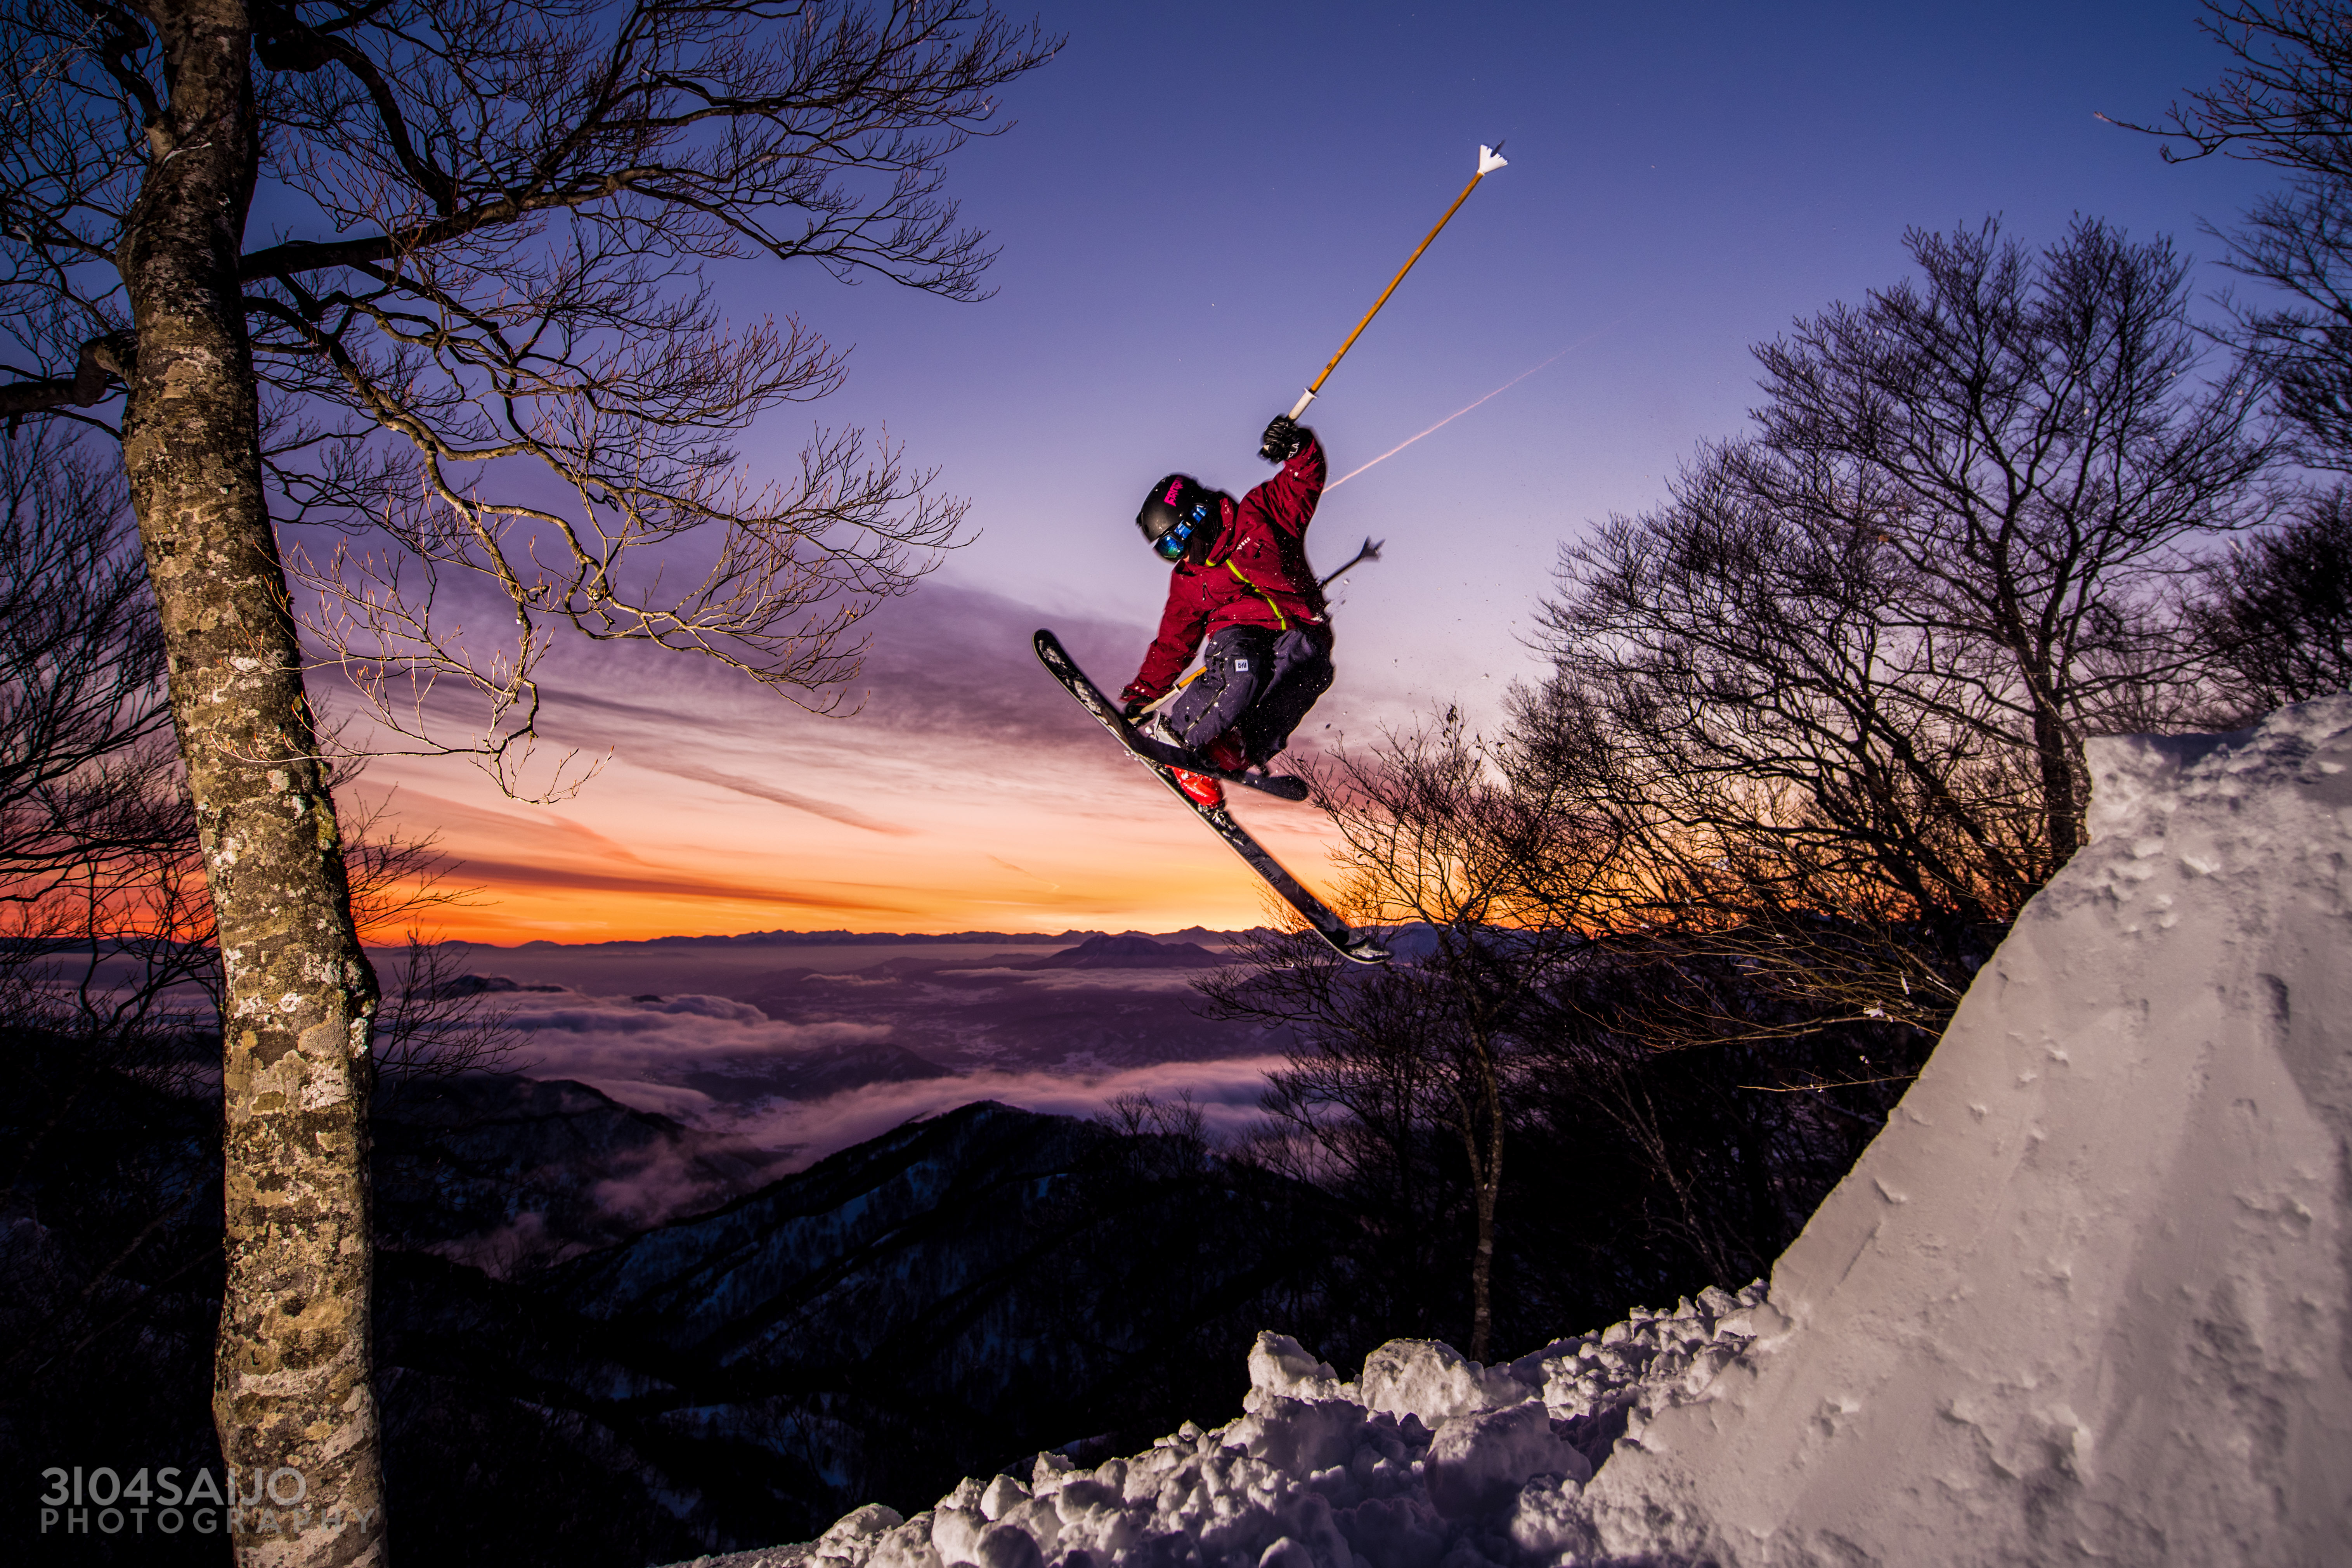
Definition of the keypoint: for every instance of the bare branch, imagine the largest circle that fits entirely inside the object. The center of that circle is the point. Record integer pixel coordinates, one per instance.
(519, 199)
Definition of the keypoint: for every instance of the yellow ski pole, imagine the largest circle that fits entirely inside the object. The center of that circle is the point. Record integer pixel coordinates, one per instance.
(1489, 160)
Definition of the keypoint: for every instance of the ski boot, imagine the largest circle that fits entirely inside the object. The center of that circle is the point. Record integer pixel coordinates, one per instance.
(1201, 789)
(1225, 751)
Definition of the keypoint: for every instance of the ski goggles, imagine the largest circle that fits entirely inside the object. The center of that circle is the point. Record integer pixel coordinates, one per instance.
(1173, 545)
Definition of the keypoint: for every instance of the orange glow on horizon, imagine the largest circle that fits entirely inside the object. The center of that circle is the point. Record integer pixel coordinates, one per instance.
(612, 865)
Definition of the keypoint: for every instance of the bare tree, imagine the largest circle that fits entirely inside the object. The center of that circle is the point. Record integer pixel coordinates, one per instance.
(1844, 674)
(435, 1025)
(497, 217)
(1499, 887)
(1797, 773)
(81, 672)
(2031, 439)
(2277, 613)
(2286, 100)
(1164, 1138)
(97, 843)
(1529, 1077)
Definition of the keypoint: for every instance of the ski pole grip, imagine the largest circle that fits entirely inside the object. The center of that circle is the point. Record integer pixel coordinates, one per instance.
(1277, 446)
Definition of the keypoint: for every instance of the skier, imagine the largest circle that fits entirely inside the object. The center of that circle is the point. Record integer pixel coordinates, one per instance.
(1242, 582)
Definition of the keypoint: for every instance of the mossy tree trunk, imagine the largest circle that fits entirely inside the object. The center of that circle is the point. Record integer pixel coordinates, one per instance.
(293, 1372)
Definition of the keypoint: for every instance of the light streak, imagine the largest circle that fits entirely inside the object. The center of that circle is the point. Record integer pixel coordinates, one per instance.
(1458, 413)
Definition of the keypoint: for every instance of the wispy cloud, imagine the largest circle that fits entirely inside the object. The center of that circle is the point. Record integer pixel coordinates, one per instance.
(951, 663)
(758, 790)
(494, 875)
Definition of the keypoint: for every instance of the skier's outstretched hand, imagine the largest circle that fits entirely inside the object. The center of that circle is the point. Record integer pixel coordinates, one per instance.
(1284, 439)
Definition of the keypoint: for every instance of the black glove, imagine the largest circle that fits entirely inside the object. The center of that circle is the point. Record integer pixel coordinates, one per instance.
(1284, 439)
(1132, 709)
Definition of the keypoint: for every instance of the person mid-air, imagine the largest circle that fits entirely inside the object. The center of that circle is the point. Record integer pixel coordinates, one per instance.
(1240, 582)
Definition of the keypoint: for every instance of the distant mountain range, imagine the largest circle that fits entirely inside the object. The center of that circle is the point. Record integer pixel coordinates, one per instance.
(735, 1035)
(876, 939)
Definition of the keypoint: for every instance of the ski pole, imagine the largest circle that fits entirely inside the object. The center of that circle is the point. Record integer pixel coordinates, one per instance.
(1371, 551)
(1489, 160)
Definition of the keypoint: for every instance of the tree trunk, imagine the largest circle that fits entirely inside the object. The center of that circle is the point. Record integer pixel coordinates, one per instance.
(293, 1393)
(1482, 1274)
(1486, 1185)
(2061, 813)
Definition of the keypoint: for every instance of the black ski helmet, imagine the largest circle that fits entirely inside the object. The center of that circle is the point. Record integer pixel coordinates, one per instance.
(1179, 511)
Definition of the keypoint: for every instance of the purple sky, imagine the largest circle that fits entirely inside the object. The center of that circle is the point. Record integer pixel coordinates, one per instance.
(1195, 206)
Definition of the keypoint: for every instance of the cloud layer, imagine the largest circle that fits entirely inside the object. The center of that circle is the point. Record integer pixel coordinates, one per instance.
(1226, 1092)
(790, 1092)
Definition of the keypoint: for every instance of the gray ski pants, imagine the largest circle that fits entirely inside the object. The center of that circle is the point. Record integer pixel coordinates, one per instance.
(1261, 680)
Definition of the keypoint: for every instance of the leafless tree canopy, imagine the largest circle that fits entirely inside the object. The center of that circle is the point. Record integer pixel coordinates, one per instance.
(1848, 667)
(1568, 1085)
(1501, 885)
(2277, 612)
(2285, 99)
(483, 329)
(82, 718)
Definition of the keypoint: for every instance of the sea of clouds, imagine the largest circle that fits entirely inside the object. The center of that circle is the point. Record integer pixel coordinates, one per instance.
(721, 1066)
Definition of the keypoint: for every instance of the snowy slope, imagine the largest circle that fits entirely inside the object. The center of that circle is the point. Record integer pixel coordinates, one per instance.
(2089, 1296)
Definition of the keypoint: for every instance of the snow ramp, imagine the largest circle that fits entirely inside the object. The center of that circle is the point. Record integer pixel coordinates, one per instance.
(2089, 1295)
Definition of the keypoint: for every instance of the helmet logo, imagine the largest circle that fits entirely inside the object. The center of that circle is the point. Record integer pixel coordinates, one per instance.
(1174, 490)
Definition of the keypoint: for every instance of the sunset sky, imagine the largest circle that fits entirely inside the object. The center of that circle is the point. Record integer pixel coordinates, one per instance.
(1196, 204)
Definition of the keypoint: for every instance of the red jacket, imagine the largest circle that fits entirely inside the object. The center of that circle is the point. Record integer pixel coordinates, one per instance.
(1257, 575)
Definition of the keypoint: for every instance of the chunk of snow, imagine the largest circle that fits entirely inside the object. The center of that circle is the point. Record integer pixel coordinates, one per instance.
(955, 1531)
(1279, 1364)
(870, 1521)
(1549, 1524)
(1426, 1378)
(1287, 1553)
(1001, 1494)
(1478, 1463)
(1007, 1546)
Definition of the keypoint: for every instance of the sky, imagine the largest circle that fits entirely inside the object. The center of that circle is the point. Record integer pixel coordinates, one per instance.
(1194, 206)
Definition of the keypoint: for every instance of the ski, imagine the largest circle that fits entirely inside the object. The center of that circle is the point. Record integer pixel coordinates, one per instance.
(1344, 939)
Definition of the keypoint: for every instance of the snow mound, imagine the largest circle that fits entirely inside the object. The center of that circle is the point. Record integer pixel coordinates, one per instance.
(1462, 1465)
(2089, 1295)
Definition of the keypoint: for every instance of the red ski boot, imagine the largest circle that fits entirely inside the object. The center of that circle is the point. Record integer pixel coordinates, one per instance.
(1200, 788)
